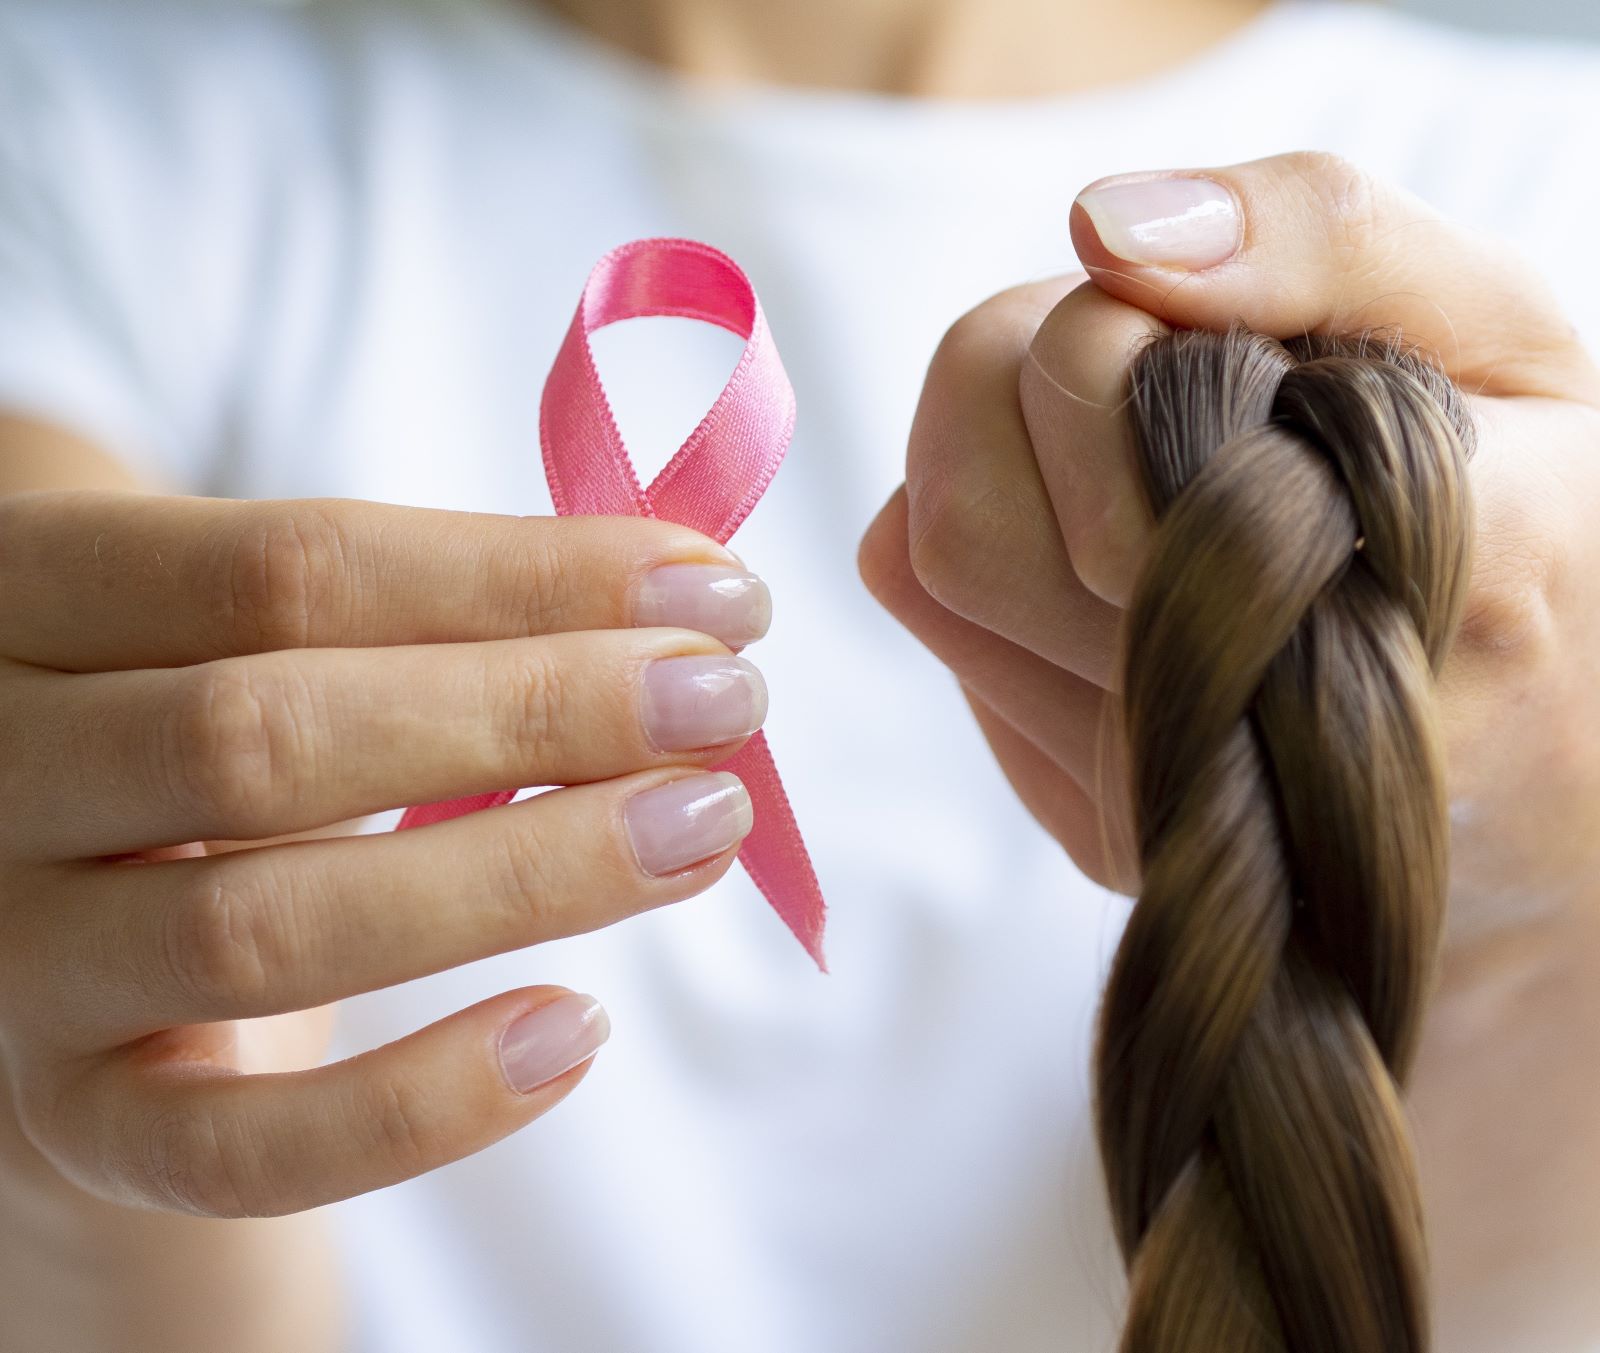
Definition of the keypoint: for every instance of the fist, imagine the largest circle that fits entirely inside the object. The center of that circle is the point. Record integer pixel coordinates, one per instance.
(1017, 539)
(1016, 542)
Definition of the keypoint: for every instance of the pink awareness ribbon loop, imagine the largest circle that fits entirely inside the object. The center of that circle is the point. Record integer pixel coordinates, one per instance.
(710, 484)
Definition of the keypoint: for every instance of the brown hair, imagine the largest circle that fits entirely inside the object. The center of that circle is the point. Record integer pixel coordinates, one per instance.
(1305, 580)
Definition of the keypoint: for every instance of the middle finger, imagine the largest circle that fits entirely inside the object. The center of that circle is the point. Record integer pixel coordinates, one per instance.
(248, 748)
(984, 540)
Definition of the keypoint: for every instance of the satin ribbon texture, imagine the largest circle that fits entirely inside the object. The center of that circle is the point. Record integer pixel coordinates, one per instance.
(710, 484)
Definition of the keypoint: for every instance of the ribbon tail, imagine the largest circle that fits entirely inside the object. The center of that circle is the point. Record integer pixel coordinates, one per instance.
(426, 814)
(774, 855)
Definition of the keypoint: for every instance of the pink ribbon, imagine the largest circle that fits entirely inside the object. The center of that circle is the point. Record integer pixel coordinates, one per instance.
(711, 484)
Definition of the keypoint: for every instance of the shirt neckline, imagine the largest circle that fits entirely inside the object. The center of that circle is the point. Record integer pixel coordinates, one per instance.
(592, 69)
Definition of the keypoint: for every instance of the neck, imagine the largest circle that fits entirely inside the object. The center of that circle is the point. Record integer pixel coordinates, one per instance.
(947, 48)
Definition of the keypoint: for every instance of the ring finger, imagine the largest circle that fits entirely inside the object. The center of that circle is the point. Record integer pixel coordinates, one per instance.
(262, 746)
(1063, 714)
(280, 928)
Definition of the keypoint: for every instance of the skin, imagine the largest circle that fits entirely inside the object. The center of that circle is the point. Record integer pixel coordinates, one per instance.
(180, 670)
(973, 49)
(123, 1118)
(1015, 543)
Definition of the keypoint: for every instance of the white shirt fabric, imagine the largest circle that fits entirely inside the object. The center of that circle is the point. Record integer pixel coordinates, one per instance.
(331, 249)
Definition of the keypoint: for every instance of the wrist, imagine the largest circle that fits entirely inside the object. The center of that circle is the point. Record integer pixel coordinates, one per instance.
(1505, 1108)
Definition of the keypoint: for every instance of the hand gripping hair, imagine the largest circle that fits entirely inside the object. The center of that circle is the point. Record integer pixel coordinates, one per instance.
(1304, 583)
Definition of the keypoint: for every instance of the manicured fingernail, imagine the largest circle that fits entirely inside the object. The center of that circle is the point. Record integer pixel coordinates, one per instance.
(675, 825)
(727, 603)
(1166, 222)
(550, 1041)
(700, 701)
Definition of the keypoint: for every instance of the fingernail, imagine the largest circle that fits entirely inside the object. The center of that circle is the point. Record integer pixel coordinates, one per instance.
(700, 701)
(1166, 222)
(550, 1041)
(675, 825)
(728, 604)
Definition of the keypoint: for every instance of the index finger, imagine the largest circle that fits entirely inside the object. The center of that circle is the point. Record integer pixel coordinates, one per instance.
(1074, 395)
(110, 581)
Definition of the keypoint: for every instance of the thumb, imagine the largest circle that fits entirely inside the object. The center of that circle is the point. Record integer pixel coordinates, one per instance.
(1307, 243)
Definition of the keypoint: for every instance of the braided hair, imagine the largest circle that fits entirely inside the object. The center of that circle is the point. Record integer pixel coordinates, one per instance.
(1305, 580)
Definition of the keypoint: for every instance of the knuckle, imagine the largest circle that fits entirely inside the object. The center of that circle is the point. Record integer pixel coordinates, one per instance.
(1345, 196)
(969, 333)
(884, 562)
(573, 573)
(169, 1155)
(1008, 320)
(230, 745)
(404, 1130)
(546, 593)
(538, 706)
(526, 880)
(1107, 560)
(283, 572)
(538, 879)
(1528, 539)
(190, 1166)
(1510, 610)
(955, 541)
(219, 944)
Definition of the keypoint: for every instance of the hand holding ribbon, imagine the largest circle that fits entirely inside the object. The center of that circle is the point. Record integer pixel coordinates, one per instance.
(711, 484)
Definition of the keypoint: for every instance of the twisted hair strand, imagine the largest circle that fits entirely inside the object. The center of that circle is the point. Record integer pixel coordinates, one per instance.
(1263, 1010)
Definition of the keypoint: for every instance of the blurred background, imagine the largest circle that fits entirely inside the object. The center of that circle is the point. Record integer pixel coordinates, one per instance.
(1568, 18)
(1556, 18)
